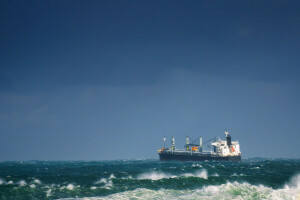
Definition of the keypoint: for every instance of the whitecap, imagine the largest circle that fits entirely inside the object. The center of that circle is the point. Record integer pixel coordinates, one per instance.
(295, 182)
(48, 193)
(32, 186)
(70, 187)
(10, 183)
(229, 190)
(196, 165)
(161, 175)
(108, 185)
(112, 176)
(37, 181)
(102, 180)
(22, 183)
(154, 175)
(127, 177)
(201, 174)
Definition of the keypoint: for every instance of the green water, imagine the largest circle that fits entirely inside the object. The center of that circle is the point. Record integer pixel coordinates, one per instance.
(150, 179)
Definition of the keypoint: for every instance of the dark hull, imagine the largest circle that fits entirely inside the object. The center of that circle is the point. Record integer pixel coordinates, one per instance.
(180, 157)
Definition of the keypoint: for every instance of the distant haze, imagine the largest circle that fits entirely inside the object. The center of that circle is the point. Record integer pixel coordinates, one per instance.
(99, 80)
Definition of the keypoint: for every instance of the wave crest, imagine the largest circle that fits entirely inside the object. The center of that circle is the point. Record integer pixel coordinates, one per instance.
(225, 191)
(154, 175)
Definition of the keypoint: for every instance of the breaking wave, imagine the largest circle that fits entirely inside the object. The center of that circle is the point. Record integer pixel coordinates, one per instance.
(22, 183)
(69, 187)
(152, 180)
(228, 191)
(105, 182)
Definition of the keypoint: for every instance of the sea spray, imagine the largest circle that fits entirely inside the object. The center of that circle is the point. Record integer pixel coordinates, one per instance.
(151, 179)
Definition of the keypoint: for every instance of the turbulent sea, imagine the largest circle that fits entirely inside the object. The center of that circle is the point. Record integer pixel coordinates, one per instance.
(150, 179)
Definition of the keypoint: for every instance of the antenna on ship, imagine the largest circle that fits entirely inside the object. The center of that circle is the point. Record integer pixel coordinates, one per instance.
(200, 144)
(226, 133)
(164, 141)
(173, 143)
(187, 140)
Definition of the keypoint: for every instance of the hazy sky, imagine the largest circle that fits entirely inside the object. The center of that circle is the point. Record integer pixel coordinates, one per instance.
(97, 80)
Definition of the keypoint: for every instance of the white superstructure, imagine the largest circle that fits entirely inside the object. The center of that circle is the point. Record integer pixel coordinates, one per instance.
(226, 147)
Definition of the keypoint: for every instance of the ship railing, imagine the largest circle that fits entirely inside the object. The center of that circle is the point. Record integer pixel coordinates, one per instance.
(184, 152)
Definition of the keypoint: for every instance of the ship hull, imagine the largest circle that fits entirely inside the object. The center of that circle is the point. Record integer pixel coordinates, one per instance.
(186, 157)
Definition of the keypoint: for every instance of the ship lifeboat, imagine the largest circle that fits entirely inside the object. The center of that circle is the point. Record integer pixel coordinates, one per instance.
(232, 149)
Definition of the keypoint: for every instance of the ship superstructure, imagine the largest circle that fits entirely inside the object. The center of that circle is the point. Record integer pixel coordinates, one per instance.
(223, 150)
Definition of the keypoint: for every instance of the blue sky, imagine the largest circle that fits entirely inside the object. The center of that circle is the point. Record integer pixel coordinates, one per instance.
(97, 80)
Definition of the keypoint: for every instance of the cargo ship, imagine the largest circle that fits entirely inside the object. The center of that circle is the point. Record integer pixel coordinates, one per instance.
(223, 150)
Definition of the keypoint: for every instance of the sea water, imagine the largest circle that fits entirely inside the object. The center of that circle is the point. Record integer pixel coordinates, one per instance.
(150, 179)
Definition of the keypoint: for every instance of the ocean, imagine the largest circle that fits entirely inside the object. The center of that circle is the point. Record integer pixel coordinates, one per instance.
(150, 179)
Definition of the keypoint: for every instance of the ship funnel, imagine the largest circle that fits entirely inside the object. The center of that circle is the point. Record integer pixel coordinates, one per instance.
(228, 138)
(173, 143)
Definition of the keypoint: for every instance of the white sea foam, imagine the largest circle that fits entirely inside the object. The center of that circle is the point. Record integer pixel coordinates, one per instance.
(108, 185)
(294, 184)
(10, 183)
(32, 186)
(161, 175)
(234, 174)
(37, 181)
(226, 191)
(105, 180)
(154, 175)
(102, 180)
(48, 193)
(201, 174)
(69, 187)
(196, 165)
(112, 176)
(295, 181)
(22, 183)
(235, 190)
(127, 177)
